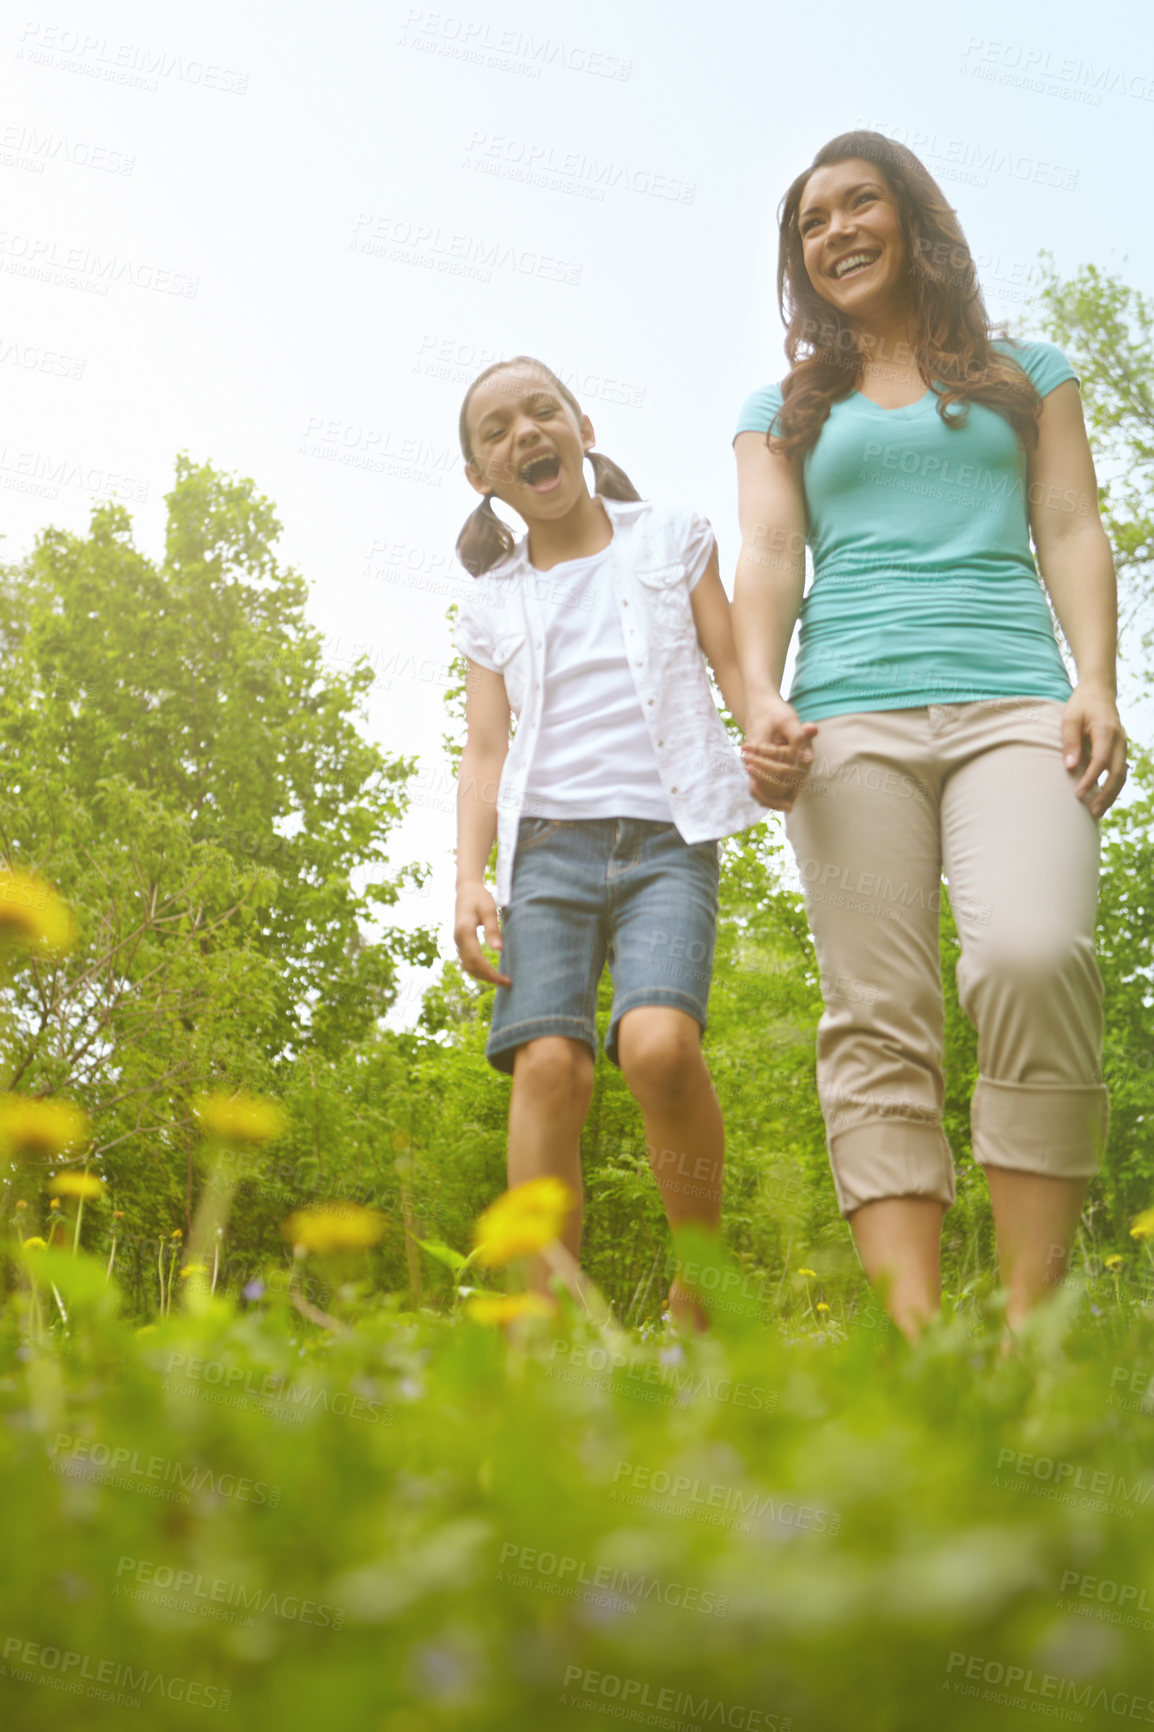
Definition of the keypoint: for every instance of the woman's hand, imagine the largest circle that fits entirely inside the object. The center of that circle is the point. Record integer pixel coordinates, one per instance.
(475, 907)
(1094, 743)
(777, 751)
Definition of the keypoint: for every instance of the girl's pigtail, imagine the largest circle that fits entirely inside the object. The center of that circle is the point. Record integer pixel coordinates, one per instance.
(485, 540)
(609, 480)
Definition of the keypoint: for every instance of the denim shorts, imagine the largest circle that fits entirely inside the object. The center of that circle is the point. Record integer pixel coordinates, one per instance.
(588, 890)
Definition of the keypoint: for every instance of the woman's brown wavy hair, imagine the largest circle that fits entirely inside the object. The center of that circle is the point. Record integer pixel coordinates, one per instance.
(485, 540)
(948, 312)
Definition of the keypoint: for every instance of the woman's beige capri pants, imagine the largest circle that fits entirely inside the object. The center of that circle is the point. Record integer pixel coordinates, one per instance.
(977, 791)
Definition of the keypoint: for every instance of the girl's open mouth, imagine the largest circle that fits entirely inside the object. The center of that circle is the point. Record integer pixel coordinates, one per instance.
(541, 473)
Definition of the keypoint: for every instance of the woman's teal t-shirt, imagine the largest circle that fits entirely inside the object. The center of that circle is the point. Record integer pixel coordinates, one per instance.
(925, 589)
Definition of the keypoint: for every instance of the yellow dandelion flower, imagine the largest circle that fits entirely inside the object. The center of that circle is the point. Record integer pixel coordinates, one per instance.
(40, 1128)
(821, 1305)
(192, 1269)
(812, 1273)
(524, 1220)
(176, 1234)
(1143, 1225)
(1114, 1262)
(32, 916)
(507, 1307)
(77, 1185)
(240, 1118)
(21, 1204)
(337, 1227)
(35, 1244)
(55, 1203)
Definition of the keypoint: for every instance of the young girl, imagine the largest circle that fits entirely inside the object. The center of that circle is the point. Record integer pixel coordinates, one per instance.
(608, 805)
(916, 456)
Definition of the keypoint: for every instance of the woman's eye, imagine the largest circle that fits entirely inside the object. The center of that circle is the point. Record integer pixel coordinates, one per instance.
(865, 195)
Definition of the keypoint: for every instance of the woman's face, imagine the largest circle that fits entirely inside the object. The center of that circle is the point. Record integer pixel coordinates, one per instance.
(851, 239)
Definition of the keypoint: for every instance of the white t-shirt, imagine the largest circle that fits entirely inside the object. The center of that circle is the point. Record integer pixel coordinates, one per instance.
(594, 756)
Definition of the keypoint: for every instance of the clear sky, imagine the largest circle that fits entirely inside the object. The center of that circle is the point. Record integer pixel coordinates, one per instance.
(285, 237)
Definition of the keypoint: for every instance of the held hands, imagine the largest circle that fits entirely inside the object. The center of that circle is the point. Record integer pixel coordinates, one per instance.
(475, 907)
(778, 752)
(1093, 743)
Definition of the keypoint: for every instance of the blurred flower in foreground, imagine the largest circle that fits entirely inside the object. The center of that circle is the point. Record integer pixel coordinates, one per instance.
(340, 1227)
(40, 1128)
(34, 1244)
(524, 1220)
(1143, 1226)
(1114, 1262)
(240, 1118)
(192, 1269)
(31, 914)
(77, 1185)
(508, 1307)
(812, 1272)
(821, 1305)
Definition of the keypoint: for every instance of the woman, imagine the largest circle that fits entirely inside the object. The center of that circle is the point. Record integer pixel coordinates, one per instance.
(931, 724)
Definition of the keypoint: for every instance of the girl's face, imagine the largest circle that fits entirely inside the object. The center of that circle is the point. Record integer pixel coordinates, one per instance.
(528, 446)
(851, 238)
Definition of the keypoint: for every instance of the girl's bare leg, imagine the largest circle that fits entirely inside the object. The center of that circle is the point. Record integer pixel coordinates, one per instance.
(552, 1089)
(661, 1059)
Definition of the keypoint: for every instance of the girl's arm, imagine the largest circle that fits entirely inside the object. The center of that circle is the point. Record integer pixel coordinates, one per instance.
(711, 616)
(487, 719)
(766, 601)
(1078, 570)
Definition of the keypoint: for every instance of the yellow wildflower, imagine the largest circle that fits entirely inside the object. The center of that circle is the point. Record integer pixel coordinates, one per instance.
(40, 1127)
(337, 1227)
(34, 1244)
(21, 1204)
(240, 1118)
(507, 1307)
(55, 1203)
(1143, 1226)
(176, 1234)
(77, 1185)
(1114, 1262)
(821, 1305)
(524, 1220)
(811, 1272)
(192, 1269)
(32, 915)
